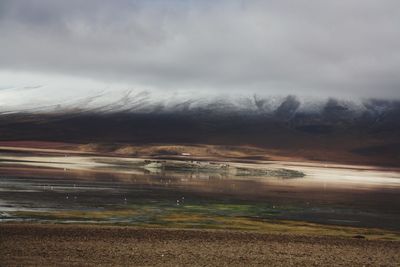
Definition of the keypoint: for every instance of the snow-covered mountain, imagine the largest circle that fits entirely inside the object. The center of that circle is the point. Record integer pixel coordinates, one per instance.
(131, 101)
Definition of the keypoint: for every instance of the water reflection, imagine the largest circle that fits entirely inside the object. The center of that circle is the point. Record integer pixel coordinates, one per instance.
(144, 195)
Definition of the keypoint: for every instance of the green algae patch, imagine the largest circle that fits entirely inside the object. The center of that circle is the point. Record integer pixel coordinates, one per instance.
(193, 220)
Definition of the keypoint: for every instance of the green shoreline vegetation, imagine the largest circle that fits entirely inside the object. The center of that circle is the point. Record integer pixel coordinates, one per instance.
(217, 217)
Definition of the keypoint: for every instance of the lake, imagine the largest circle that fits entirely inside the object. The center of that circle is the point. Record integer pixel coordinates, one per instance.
(195, 194)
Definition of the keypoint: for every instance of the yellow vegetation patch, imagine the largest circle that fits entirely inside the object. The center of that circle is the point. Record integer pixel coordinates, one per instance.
(107, 214)
(276, 226)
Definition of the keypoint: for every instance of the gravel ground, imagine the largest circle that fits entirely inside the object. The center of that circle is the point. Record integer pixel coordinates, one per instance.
(77, 245)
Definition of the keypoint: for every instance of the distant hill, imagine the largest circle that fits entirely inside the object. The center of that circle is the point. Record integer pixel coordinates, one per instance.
(333, 130)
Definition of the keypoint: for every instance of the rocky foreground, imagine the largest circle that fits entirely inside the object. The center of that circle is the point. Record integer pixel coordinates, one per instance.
(69, 245)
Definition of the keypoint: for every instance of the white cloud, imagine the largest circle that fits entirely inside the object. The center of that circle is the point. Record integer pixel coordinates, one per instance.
(329, 48)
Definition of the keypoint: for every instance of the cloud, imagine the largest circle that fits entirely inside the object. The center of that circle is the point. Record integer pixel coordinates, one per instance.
(307, 47)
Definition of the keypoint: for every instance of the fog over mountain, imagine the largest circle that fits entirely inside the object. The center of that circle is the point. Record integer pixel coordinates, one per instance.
(139, 102)
(65, 50)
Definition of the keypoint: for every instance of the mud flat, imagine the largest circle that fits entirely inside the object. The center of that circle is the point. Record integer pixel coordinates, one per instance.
(76, 245)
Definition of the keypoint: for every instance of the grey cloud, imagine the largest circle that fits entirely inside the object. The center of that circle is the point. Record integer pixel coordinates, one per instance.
(316, 47)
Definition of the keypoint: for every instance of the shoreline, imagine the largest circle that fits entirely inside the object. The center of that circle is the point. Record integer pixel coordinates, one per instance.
(166, 151)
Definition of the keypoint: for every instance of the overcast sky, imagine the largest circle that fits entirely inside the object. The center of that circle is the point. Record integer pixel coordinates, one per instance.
(343, 48)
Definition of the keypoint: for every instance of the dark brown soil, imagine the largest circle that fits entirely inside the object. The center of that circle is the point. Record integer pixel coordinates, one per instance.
(69, 245)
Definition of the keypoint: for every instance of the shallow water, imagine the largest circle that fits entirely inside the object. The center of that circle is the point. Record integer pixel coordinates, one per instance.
(112, 190)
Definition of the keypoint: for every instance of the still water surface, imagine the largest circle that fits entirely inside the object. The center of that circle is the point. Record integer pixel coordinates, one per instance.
(129, 191)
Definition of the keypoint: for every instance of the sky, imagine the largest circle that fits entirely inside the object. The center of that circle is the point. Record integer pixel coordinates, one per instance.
(57, 50)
